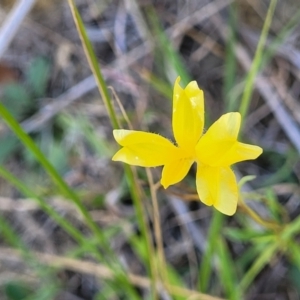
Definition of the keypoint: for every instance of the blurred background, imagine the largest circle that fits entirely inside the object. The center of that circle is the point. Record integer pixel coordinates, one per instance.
(142, 46)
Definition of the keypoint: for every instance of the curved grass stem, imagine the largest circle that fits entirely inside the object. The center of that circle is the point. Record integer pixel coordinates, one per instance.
(257, 218)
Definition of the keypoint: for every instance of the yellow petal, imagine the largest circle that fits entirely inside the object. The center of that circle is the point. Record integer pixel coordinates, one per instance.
(219, 139)
(188, 114)
(239, 152)
(219, 147)
(175, 171)
(144, 149)
(217, 186)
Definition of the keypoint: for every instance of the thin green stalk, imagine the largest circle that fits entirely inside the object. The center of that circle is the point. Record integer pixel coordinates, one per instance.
(206, 262)
(267, 54)
(93, 63)
(284, 32)
(172, 62)
(245, 102)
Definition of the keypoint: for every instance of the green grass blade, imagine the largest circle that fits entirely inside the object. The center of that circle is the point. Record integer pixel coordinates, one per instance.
(227, 272)
(245, 102)
(261, 261)
(87, 243)
(291, 229)
(10, 236)
(206, 262)
(68, 227)
(158, 84)
(230, 92)
(284, 32)
(69, 193)
(28, 142)
(93, 63)
(171, 60)
(294, 253)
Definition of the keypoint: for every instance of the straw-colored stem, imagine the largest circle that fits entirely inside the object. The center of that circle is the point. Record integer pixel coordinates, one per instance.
(251, 213)
(162, 266)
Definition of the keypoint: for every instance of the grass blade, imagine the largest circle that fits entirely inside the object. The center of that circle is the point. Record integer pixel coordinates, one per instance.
(206, 264)
(227, 271)
(263, 259)
(245, 102)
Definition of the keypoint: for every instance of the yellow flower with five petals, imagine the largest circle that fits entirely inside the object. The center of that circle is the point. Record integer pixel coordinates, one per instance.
(214, 151)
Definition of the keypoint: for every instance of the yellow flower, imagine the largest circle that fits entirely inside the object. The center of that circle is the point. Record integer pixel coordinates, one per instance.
(214, 151)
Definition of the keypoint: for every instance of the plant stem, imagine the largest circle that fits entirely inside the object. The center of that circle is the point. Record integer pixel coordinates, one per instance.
(251, 213)
(162, 266)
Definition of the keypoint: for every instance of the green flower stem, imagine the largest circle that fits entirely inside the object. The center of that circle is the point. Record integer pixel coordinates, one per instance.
(93, 63)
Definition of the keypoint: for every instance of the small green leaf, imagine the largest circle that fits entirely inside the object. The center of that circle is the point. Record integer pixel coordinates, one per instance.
(246, 179)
